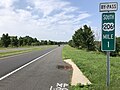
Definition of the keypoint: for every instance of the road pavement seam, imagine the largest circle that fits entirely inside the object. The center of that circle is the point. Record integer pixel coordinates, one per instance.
(5, 76)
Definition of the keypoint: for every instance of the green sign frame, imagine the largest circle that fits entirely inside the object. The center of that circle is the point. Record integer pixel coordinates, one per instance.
(108, 32)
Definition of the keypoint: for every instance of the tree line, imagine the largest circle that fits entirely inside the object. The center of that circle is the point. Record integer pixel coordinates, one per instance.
(84, 38)
(14, 41)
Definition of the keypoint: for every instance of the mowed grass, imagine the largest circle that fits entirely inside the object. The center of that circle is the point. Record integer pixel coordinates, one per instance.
(93, 65)
(25, 50)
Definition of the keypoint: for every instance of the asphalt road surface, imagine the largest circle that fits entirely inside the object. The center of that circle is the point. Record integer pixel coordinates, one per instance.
(42, 74)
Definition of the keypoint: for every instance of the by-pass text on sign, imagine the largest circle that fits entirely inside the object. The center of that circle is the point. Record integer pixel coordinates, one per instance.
(108, 6)
(108, 31)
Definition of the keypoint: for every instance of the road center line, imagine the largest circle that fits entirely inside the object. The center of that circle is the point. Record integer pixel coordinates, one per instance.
(3, 77)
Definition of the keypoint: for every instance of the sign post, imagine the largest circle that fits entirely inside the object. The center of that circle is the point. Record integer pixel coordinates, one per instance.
(108, 69)
(108, 32)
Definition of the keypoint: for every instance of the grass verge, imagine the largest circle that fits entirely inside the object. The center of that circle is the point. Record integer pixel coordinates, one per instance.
(93, 65)
(14, 51)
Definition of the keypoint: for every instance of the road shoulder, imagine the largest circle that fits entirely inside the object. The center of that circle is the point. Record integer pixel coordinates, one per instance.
(77, 75)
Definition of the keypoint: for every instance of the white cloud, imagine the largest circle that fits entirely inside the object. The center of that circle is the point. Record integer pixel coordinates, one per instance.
(48, 6)
(58, 22)
(70, 9)
(81, 17)
(6, 3)
(29, 8)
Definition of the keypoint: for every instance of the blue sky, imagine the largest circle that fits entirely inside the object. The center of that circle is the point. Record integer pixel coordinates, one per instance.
(51, 19)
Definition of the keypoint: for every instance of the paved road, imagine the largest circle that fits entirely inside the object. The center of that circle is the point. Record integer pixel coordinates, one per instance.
(40, 75)
(11, 63)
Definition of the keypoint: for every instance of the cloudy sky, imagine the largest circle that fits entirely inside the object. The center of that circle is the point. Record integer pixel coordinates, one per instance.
(51, 19)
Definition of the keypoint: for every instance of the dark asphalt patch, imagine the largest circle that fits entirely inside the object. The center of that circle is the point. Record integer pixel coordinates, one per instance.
(65, 67)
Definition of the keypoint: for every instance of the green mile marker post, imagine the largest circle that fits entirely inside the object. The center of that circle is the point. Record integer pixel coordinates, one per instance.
(108, 32)
(108, 39)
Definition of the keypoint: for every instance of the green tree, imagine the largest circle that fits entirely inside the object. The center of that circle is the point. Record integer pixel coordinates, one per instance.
(84, 38)
(14, 41)
(45, 42)
(24, 41)
(117, 49)
(0, 43)
(71, 43)
(118, 43)
(20, 41)
(5, 40)
(77, 38)
(27, 40)
(50, 42)
(35, 42)
(88, 38)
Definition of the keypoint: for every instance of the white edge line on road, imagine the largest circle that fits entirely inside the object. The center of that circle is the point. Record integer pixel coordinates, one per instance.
(3, 77)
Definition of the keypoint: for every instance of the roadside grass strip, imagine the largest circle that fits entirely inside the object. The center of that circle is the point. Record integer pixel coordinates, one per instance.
(16, 52)
(93, 66)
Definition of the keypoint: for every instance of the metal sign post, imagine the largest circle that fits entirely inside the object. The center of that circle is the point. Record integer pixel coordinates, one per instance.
(108, 68)
(108, 32)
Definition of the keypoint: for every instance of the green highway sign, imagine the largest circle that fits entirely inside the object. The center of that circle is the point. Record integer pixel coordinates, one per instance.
(108, 32)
